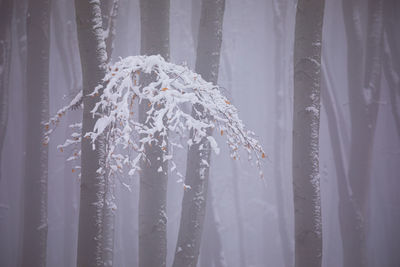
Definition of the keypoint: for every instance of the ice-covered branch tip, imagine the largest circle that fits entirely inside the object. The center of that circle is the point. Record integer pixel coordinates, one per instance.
(178, 101)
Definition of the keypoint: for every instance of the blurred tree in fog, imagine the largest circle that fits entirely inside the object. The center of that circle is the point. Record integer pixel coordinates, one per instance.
(6, 10)
(391, 57)
(280, 10)
(36, 165)
(364, 83)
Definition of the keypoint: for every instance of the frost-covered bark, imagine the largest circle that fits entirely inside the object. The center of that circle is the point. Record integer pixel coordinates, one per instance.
(364, 88)
(198, 160)
(306, 112)
(110, 12)
(280, 10)
(6, 9)
(93, 61)
(154, 19)
(36, 167)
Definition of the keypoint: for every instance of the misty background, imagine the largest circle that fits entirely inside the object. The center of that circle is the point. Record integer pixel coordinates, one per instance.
(249, 220)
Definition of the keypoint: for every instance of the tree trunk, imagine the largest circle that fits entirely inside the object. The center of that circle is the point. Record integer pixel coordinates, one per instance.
(363, 98)
(36, 167)
(67, 47)
(6, 11)
(306, 111)
(154, 18)
(393, 83)
(211, 252)
(391, 59)
(347, 211)
(235, 177)
(21, 7)
(93, 61)
(238, 214)
(110, 12)
(280, 10)
(197, 169)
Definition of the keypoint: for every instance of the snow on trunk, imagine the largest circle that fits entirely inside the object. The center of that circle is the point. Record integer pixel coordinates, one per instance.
(306, 111)
(93, 60)
(110, 12)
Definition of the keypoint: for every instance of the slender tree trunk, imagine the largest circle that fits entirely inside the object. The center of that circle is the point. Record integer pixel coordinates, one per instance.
(36, 168)
(306, 111)
(391, 60)
(21, 7)
(93, 60)
(235, 176)
(238, 213)
(6, 11)
(59, 15)
(211, 252)
(363, 98)
(110, 12)
(347, 211)
(154, 17)
(227, 67)
(391, 76)
(280, 10)
(197, 169)
(66, 44)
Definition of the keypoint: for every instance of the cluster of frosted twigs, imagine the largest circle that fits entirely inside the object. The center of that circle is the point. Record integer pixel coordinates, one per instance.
(178, 102)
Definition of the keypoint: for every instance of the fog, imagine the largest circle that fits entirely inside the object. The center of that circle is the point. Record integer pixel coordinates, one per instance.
(249, 218)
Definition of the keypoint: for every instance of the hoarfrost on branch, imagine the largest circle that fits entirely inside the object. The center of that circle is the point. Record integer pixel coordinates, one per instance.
(173, 89)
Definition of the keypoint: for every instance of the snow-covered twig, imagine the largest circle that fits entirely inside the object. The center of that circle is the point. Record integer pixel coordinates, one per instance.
(172, 90)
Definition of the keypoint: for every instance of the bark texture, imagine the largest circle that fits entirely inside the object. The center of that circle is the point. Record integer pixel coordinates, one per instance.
(198, 160)
(93, 61)
(154, 19)
(306, 111)
(109, 13)
(36, 167)
(364, 89)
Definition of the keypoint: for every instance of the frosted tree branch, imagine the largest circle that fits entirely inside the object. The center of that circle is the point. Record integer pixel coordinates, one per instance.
(173, 89)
